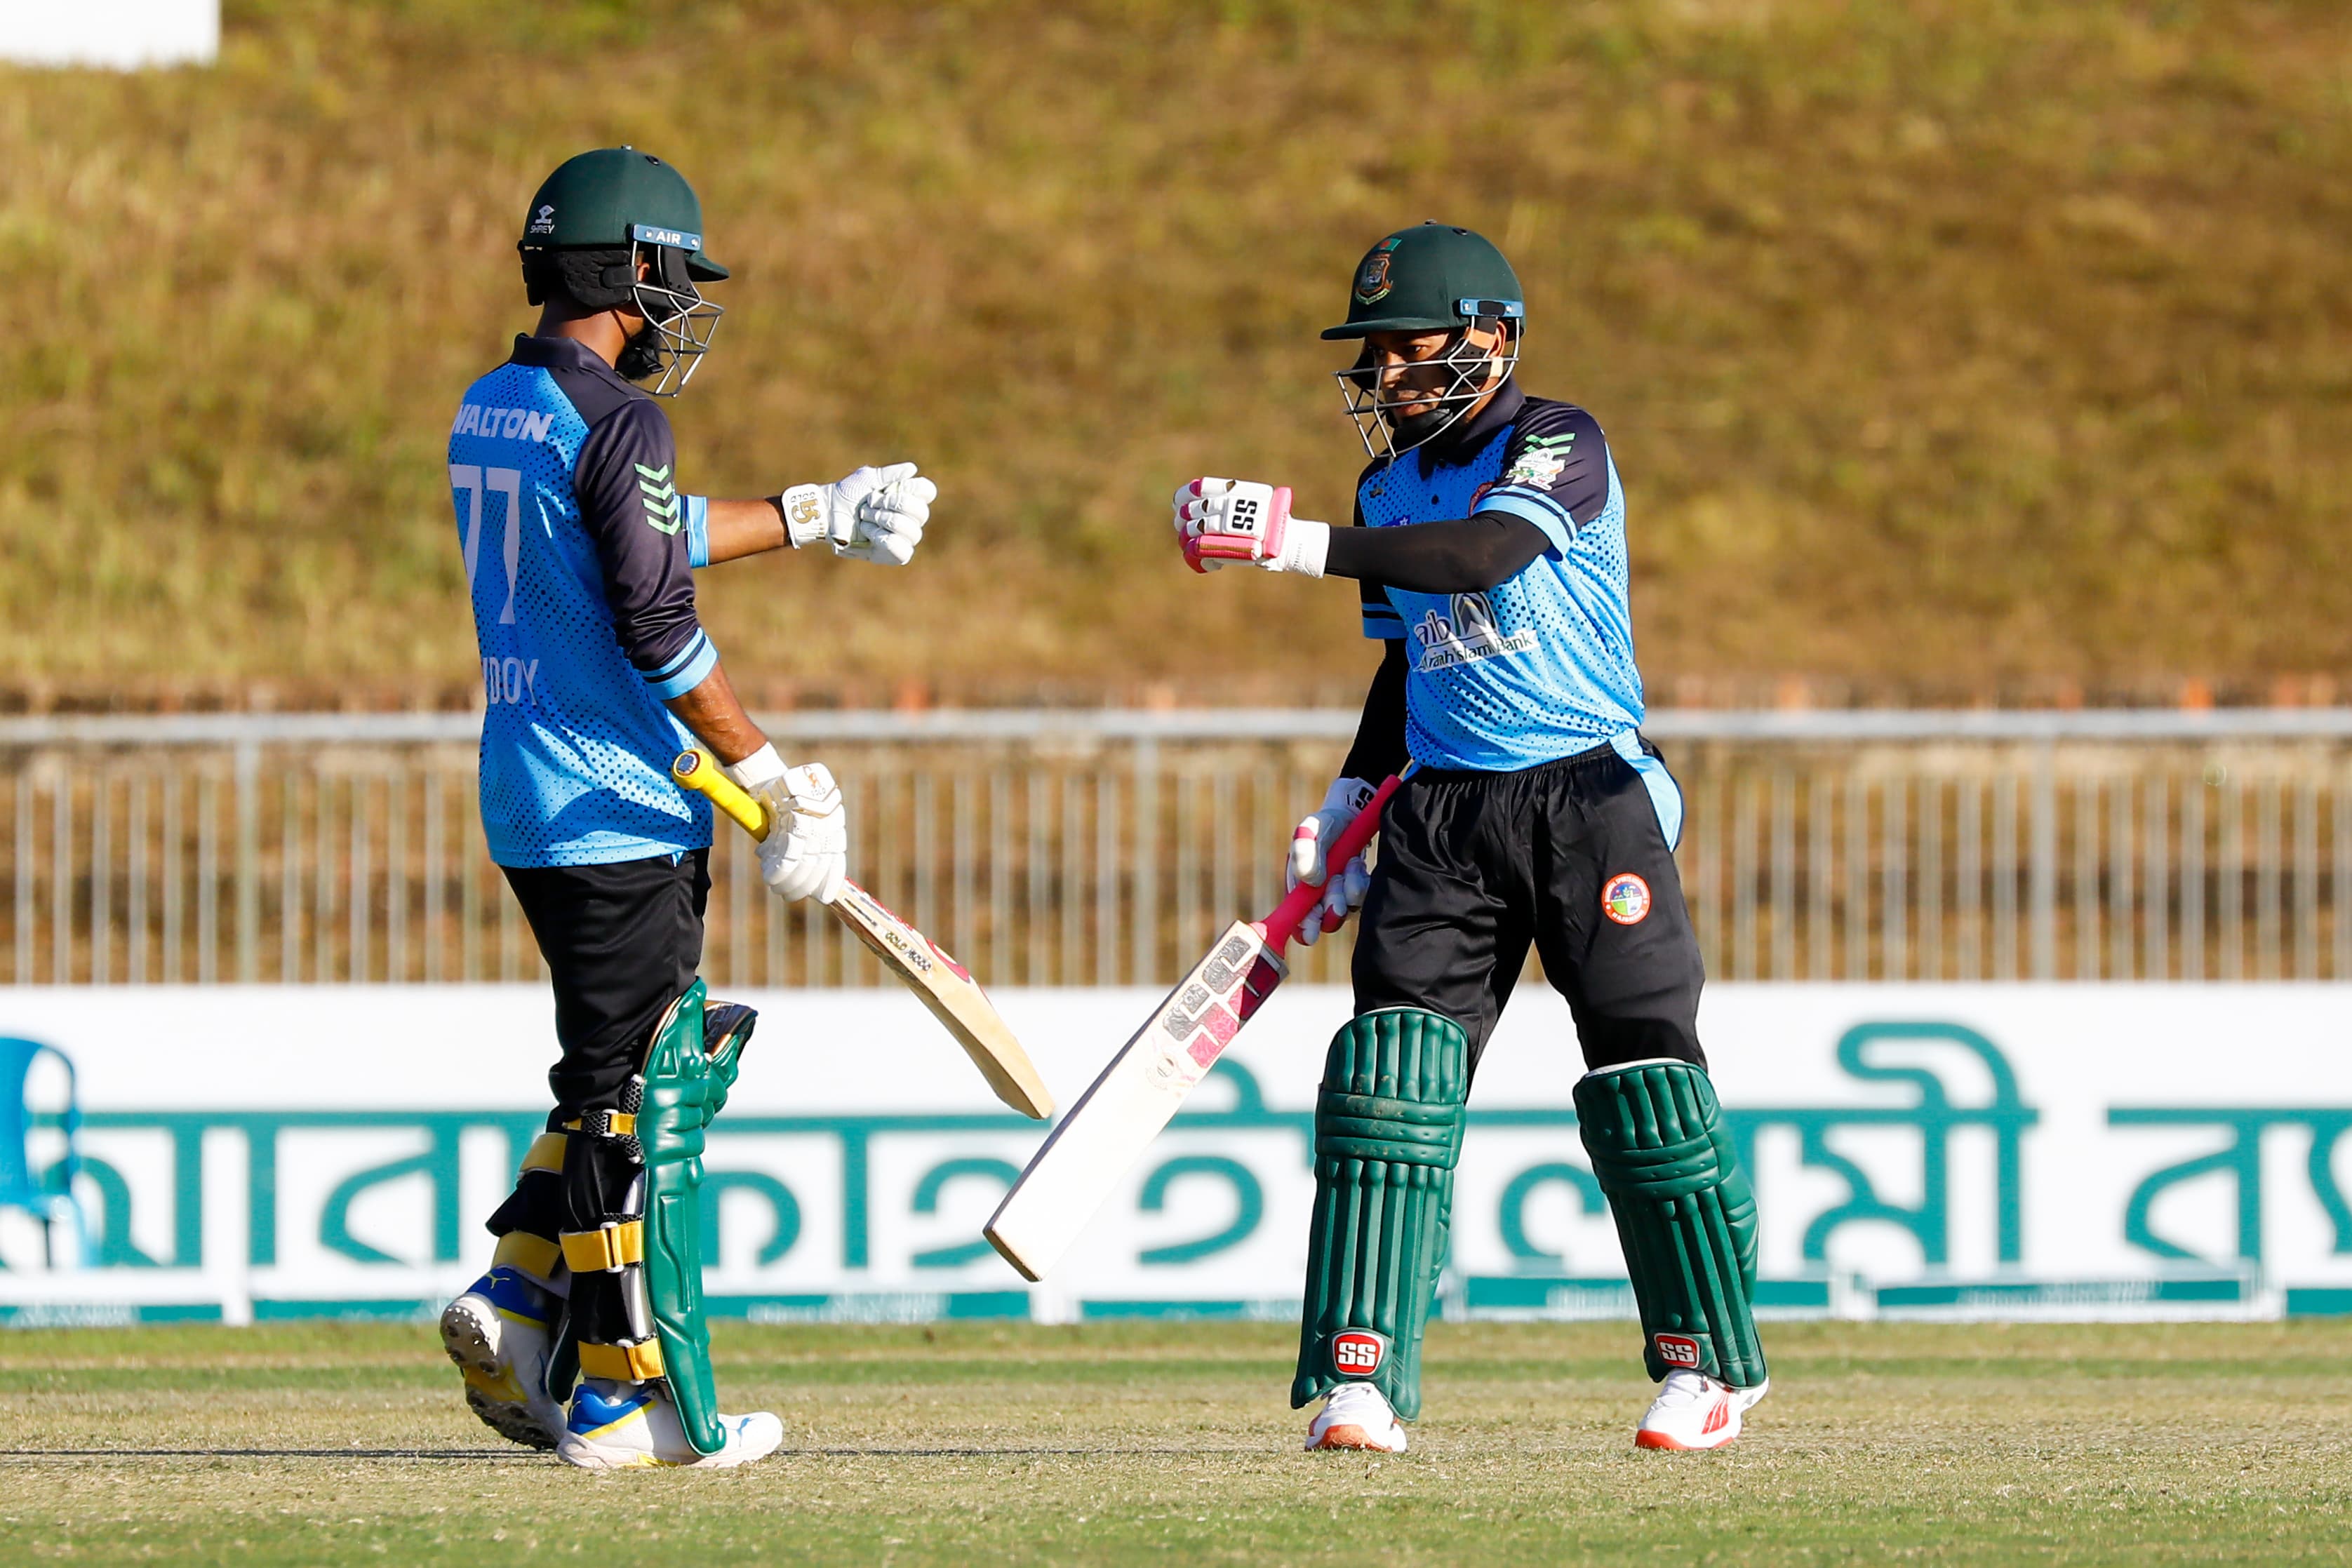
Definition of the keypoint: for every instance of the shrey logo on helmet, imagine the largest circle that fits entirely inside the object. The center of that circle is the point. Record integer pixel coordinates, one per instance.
(1357, 1352)
(1677, 1350)
(1625, 898)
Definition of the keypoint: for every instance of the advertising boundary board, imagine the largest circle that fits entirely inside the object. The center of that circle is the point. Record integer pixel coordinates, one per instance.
(2030, 1152)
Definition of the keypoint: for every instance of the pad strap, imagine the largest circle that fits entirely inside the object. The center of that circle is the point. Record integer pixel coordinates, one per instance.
(1388, 1130)
(614, 1245)
(533, 1255)
(638, 1362)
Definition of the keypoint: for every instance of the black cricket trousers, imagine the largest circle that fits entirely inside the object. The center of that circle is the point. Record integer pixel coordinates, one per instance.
(622, 942)
(1571, 855)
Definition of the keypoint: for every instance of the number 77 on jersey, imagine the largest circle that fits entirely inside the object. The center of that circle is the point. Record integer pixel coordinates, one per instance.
(1116, 1120)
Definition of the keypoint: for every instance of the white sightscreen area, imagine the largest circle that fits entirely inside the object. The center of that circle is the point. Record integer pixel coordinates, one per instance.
(121, 34)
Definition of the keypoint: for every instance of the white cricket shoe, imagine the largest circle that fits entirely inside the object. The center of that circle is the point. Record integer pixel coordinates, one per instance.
(500, 1333)
(1696, 1411)
(624, 1425)
(1355, 1415)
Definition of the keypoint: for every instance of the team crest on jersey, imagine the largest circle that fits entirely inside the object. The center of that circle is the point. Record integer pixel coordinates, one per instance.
(1373, 283)
(1625, 899)
(1538, 469)
(1466, 633)
(1542, 460)
(1357, 1352)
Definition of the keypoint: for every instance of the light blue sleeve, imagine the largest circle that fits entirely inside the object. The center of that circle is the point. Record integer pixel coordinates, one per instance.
(685, 670)
(698, 531)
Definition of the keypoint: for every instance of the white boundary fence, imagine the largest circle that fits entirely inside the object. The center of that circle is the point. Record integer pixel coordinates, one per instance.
(1051, 847)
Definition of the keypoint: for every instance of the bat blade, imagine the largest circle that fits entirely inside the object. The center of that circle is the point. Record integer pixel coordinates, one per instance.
(941, 984)
(953, 996)
(1132, 1100)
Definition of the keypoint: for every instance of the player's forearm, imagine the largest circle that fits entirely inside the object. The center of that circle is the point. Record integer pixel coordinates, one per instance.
(738, 529)
(1467, 556)
(1379, 748)
(717, 717)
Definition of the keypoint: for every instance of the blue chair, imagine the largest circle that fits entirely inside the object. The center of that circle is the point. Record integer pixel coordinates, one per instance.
(47, 1195)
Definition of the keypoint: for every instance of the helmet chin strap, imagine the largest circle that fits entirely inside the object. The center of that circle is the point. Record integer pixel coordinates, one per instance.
(641, 355)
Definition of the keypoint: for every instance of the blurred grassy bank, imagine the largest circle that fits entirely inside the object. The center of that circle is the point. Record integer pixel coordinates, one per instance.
(1947, 350)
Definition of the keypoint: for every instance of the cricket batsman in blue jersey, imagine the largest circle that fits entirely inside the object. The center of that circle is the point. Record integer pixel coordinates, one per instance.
(586, 1334)
(1489, 543)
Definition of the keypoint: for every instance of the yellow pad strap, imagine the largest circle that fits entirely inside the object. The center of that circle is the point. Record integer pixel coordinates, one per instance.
(546, 1152)
(614, 1245)
(534, 1255)
(617, 1125)
(638, 1362)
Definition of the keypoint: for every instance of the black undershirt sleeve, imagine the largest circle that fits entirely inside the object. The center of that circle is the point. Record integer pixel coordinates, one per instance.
(1468, 556)
(1379, 748)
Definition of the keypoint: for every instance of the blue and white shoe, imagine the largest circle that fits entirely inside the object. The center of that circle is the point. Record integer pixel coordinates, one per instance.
(500, 1332)
(624, 1425)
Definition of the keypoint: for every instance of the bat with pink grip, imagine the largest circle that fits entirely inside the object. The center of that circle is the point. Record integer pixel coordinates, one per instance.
(1279, 927)
(1094, 1147)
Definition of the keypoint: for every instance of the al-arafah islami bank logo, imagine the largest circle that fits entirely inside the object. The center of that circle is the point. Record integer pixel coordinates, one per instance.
(1466, 634)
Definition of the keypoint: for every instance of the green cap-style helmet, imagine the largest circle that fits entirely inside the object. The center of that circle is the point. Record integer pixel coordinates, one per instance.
(599, 219)
(1431, 278)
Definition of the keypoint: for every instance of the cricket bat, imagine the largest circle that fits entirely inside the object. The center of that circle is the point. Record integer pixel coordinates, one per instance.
(1107, 1130)
(922, 965)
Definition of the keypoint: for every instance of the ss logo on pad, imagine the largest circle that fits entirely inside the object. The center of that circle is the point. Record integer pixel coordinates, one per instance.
(1357, 1352)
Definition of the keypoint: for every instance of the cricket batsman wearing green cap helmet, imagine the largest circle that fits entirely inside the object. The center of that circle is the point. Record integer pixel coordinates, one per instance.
(579, 549)
(1490, 546)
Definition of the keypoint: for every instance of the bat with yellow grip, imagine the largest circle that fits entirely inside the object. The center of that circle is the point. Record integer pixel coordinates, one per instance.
(922, 965)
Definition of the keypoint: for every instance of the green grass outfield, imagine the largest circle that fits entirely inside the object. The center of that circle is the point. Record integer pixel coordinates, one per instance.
(1171, 1443)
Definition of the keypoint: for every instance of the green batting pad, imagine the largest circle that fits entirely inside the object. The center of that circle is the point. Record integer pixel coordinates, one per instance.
(678, 1081)
(1388, 1129)
(1685, 1214)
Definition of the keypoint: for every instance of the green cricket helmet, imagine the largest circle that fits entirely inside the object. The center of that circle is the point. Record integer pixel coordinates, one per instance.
(1431, 278)
(594, 223)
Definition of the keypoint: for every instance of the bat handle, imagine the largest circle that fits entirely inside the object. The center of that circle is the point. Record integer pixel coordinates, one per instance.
(698, 770)
(1289, 915)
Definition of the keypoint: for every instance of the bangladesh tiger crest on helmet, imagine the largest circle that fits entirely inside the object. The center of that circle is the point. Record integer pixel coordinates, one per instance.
(1372, 278)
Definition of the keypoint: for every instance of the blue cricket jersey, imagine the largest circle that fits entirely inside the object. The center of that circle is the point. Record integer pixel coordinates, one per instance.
(1541, 667)
(576, 546)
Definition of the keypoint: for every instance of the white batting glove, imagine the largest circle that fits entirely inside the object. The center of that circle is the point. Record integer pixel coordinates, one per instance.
(1343, 892)
(887, 523)
(1218, 520)
(806, 852)
(870, 514)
